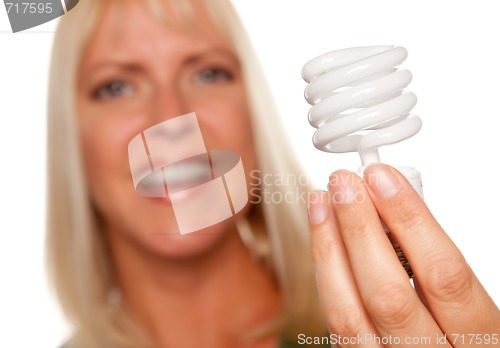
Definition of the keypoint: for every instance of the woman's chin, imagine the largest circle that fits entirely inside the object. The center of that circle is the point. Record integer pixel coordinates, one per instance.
(166, 240)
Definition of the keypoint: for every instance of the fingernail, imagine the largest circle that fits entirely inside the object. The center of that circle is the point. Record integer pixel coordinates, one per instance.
(317, 207)
(343, 187)
(382, 180)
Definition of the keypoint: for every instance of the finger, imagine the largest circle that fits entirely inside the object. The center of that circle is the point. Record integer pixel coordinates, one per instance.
(388, 296)
(344, 311)
(453, 293)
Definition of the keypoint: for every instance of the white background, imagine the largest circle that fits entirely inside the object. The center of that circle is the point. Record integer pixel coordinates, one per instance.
(454, 55)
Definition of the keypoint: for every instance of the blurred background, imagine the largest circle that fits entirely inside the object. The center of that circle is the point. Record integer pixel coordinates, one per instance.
(454, 56)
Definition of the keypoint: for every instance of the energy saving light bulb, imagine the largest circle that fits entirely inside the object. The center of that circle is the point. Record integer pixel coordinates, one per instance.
(359, 104)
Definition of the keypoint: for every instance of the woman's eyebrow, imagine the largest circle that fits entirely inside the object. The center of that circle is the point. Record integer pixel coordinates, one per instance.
(212, 51)
(132, 65)
(124, 65)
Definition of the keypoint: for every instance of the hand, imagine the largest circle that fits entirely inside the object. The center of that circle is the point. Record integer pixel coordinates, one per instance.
(365, 291)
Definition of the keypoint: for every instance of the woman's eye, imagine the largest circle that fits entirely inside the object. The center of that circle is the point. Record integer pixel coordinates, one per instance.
(112, 90)
(214, 75)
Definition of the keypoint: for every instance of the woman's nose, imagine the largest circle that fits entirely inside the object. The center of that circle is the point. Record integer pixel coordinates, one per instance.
(169, 102)
(180, 133)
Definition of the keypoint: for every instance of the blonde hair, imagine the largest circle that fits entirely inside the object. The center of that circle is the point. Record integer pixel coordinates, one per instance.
(78, 261)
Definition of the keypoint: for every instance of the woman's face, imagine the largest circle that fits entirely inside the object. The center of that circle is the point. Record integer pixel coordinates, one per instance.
(135, 73)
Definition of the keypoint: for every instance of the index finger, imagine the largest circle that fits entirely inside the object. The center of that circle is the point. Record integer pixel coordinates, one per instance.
(454, 295)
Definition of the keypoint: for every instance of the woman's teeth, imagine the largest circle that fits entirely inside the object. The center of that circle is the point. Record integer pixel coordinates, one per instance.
(180, 176)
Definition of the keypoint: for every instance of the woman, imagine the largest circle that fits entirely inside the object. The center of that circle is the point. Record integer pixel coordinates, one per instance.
(133, 65)
(126, 279)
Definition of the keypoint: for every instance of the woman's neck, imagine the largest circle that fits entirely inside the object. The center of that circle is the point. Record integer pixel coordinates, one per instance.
(211, 300)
